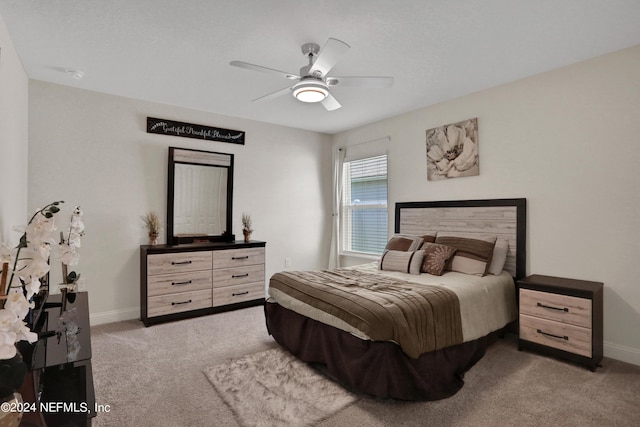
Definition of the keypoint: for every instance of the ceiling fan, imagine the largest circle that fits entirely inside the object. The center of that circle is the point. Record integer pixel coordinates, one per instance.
(313, 83)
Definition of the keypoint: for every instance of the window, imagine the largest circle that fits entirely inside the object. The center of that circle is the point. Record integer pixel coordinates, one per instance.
(364, 206)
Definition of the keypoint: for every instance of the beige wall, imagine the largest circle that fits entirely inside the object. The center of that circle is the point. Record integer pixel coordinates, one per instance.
(14, 119)
(92, 149)
(568, 141)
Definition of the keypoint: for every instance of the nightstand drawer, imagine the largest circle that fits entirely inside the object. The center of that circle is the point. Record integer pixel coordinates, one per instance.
(561, 308)
(573, 339)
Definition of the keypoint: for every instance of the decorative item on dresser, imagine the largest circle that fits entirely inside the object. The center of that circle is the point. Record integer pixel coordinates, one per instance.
(562, 317)
(246, 226)
(180, 281)
(152, 224)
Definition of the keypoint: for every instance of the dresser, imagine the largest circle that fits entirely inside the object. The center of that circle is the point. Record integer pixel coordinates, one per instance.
(181, 281)
(562, 317)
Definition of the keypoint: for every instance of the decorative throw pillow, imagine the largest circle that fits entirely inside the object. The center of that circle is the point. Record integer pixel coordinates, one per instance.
(500, 251)
(473, 254)
(403, 243)
(403, 261)
(436, 257)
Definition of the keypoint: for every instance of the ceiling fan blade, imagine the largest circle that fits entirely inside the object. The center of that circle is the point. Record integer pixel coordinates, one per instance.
(330, 103)
(273, 95)
(328, 57)
(262, 69)
(369, 82)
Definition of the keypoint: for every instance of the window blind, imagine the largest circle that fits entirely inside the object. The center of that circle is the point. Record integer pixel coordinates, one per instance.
(364, 208)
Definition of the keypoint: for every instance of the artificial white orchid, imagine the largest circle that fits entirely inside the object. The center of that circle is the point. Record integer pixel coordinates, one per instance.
(26, 264)
(7, 334)
(12, 329)
(68, 255)
(69, 246)
(18, 304)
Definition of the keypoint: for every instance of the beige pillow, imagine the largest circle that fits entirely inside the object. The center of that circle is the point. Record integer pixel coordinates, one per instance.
(473, 254)
(403, 261)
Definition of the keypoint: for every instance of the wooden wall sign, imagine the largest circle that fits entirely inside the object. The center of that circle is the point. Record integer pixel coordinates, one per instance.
(190, 130)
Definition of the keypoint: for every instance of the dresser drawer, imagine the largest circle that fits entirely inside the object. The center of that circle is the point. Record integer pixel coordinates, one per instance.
(240, 293)
(238, 275)
(561, 308)
(574, 339)
(178, 302)
(178, 262)
(163, 284)
(238, 257)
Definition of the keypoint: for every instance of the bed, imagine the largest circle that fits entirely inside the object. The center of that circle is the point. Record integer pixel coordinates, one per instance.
(439, 325)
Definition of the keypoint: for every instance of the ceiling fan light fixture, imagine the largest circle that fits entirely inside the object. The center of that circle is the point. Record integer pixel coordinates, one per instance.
(314, 91)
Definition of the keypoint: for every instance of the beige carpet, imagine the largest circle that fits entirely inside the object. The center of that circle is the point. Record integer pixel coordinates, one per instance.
(273, 388)
(154, 377)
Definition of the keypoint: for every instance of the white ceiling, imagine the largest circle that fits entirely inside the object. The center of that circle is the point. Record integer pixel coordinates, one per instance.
(178, 52)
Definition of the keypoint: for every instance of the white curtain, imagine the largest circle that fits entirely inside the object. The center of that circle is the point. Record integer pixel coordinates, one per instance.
(357, 151)
(334, 254)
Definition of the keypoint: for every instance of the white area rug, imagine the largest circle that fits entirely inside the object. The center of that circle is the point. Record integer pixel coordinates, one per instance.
(273, 388)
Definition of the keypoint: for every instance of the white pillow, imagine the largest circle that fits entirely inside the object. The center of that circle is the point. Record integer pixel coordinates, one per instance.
(499, 257)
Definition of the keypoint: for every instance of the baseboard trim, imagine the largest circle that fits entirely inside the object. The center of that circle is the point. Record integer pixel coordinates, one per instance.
(622, 353)
(114, 316)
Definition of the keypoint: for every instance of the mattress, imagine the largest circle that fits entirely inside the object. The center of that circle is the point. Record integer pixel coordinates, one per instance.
(487, 303)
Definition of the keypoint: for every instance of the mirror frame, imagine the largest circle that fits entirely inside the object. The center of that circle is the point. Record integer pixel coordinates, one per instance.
(200, 158)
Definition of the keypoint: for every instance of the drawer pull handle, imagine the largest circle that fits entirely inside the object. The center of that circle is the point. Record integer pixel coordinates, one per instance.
(240, 257)
(566, 338)
(182, 302)
(237, 276)
(181, 283)
(565, 309)
(180, 262)
(240, 293)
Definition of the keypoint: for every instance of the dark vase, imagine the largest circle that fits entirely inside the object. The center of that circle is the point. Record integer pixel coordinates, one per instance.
(12, 374)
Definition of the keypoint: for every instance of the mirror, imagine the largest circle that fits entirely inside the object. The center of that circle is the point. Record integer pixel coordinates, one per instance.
(200, 195)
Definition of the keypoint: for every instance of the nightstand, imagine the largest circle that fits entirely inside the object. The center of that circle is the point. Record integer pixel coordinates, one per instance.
(561, 317)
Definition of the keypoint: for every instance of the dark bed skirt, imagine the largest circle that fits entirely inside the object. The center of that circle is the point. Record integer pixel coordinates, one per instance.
(375, 368)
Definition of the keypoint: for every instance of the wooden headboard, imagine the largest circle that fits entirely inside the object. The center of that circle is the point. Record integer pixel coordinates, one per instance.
(505, 218)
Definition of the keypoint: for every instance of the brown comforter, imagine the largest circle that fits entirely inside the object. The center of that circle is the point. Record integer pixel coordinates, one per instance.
(420, 318)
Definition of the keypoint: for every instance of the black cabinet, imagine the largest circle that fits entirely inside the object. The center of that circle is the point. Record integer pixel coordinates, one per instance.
(60, 379)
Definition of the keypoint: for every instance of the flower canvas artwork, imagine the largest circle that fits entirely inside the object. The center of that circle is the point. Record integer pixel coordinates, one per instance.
(452, 150)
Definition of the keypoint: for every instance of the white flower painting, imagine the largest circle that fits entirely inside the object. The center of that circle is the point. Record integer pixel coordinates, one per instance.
(452, 150)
